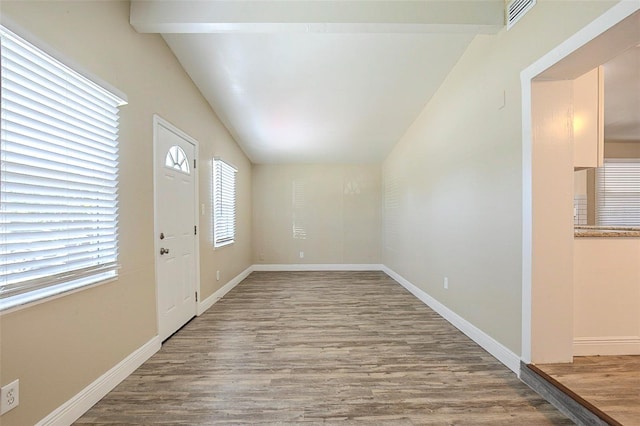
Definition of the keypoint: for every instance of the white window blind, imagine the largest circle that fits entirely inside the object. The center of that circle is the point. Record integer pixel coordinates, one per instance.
(224, 203)
(299, 211)
(618, 193)
(58, 176)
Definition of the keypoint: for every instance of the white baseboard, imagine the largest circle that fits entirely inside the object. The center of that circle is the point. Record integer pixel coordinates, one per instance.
(74, 408)
(617, 345)
(205, 304)
(489, 344)
(319, 267)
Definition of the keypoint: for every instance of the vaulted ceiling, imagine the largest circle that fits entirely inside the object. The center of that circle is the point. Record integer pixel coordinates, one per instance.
(317, 81)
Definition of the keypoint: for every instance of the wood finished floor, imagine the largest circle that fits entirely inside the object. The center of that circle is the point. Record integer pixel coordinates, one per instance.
(611, 383)
(318, 348)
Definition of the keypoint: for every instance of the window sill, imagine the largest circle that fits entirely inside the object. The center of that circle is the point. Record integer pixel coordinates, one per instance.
(32, 298)
(219, 246)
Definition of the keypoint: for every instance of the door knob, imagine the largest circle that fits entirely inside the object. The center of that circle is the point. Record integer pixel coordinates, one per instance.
(164, 251)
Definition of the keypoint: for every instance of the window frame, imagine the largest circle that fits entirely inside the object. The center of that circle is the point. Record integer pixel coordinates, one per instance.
(605, 213)
(35, 290)
(220, 193)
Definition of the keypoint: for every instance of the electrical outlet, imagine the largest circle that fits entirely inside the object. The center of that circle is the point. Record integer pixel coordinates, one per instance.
(446, 283)
(217, 275)
(9, 396)
(301, 255)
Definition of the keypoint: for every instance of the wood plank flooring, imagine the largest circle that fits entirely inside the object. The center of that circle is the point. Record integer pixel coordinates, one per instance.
(322, 348)
(610, 383)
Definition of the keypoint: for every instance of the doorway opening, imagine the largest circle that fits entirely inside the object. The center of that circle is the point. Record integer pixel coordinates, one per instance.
(550, 278)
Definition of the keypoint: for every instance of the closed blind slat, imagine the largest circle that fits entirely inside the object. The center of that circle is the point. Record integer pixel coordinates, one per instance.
(58, 176)
(224, 203)
(618, 193)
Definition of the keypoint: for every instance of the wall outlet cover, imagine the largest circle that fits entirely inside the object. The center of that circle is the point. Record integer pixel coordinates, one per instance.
(9, 396)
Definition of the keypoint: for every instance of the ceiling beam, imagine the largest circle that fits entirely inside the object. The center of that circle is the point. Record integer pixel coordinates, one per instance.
(317, 16)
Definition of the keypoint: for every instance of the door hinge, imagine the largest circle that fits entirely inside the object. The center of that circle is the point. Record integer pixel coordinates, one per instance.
(196, 296)
(195, 230)
(194, 163)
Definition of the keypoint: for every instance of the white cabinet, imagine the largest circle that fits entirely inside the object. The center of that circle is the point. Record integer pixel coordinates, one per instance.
(588, 119)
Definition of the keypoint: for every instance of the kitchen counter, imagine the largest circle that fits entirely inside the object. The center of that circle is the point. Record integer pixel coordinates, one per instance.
(606, 231)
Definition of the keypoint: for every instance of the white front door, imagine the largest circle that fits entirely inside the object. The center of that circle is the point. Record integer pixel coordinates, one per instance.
(175, 220)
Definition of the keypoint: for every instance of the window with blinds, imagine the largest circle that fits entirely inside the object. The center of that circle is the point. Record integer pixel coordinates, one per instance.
(224, 203)
(618, 193)
(299, 211)
(58, 176)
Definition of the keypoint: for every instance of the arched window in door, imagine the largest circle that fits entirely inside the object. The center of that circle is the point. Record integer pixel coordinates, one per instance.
(177, 159)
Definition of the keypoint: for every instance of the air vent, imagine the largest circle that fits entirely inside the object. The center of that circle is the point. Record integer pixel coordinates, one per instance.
(516, 9)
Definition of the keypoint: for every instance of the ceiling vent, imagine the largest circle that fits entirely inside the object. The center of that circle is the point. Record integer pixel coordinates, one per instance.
(516, 9)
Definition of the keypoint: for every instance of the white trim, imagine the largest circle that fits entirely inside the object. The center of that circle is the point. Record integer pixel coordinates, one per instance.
(75, 407)
(617, 345)
(527, 218)
(25, 305)
(319, 267)
(221, 292)
(604, 22)
(486, 342)
(65, 59)
(159, 121)
(235, 169)
(79, 404)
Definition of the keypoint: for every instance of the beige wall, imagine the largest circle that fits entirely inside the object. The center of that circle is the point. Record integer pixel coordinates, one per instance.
(628, 149)
(456, 176)
(58, 347)
(607, 296)
(336, 209)
(552, 245)
(554, 185)
(580, 182)
(591, 196)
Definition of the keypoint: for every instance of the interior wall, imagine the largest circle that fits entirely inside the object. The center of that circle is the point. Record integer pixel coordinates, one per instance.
(453, 183)
(552, 246)
(580, 198)
(617, 149)
(607, 296)
(607, 282)
(580, 182)
(58, 347)
(330, 213)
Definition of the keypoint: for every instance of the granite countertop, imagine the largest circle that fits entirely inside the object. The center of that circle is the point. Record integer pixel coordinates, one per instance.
(606, 231)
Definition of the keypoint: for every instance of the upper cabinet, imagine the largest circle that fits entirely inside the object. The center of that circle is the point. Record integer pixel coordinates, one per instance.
(588, 119)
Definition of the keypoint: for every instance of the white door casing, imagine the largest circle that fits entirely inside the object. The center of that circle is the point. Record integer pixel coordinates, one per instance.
(176, 248)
